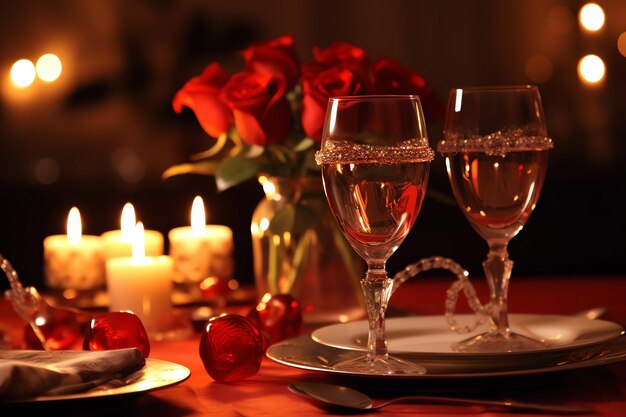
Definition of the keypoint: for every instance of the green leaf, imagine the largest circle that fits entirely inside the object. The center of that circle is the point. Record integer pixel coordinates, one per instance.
(235, 170)
(198, 167)
(295, 219)
(304, 144)
(217, 147)
(255, 151)
(281, 154)
(283, 221)
(301, 259)
(274, 269)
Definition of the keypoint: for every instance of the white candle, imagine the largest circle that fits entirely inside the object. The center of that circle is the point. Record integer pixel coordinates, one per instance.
(73, 261)
(200, 251)
(141, 284)
(118, 243)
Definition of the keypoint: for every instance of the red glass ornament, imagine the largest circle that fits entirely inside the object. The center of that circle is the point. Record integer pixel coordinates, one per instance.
(215, 290)
(231, 348)
(117, 330)
(279, 316)
(60, 328)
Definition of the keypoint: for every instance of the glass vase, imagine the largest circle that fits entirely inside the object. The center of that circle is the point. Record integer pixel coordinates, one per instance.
(298, 249)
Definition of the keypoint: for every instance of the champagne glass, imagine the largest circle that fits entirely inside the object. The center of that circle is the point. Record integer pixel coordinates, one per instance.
(375, 162)
(496, 150)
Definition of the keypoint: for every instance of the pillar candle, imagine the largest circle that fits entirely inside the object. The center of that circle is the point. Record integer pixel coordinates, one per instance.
(73, 261)
(200, 251)
(141, 284)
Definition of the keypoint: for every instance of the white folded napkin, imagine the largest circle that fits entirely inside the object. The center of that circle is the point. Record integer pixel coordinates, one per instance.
(32, 373)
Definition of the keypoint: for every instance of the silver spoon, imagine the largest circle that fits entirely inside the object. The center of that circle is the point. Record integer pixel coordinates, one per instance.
(328, 395)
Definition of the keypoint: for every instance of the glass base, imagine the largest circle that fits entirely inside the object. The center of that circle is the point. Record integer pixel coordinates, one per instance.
(379, 365)
(496, 342)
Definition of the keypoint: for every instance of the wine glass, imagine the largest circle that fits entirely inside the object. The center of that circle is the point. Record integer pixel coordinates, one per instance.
(496, 150)
(375, 162)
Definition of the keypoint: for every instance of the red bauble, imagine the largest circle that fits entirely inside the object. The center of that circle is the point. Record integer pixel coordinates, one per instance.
(117, 330)
(215, 290)
(231, 348)
(61, 329)
(279, 316)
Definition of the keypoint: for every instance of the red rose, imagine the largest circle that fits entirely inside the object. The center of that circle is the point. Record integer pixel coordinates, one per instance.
(341, 55)
(330, 83)
(393, 78)
(201, 94)
(260, 109)
(276, 57)
(340, 52)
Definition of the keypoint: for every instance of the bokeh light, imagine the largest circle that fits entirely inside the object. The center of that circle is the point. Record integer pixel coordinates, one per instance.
(23, 73)
(591, 17)
(128, 165)
(47, 171)
(49, 67)
(621, 44)
(539, 68)
(591, 69)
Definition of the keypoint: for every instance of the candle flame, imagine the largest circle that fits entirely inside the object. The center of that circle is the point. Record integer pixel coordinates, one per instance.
(127, 223)
(139, 243)
(74, 226)
(198, 217)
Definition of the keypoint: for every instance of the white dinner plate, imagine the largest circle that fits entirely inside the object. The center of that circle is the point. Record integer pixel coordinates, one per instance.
(155, 374)
(304, 353)
(430, 335)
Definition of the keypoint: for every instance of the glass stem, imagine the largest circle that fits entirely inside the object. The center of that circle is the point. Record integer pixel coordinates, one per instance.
(498, 269)
(377, 290)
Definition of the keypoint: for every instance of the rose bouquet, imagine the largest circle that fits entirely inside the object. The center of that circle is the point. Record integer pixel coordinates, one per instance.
(267, 119)
(267, 122)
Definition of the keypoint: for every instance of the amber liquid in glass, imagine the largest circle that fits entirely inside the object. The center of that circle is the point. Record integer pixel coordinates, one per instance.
(375, 204)
(497, 192)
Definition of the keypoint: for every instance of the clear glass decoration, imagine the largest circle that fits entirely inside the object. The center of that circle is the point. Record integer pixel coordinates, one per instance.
(299, 250)
(53, 328)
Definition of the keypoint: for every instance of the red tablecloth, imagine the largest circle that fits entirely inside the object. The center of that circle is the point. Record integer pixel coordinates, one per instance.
(266, 393)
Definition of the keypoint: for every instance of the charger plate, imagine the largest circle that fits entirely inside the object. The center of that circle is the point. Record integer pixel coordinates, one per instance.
(306, 354)
(570, 342)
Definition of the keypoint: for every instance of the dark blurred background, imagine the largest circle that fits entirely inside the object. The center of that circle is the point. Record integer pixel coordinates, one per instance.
(104, 131)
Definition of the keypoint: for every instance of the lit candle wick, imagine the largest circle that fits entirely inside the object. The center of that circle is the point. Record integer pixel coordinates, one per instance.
(127, 224)
(74, 226)
(139, 244)
(198, 217)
